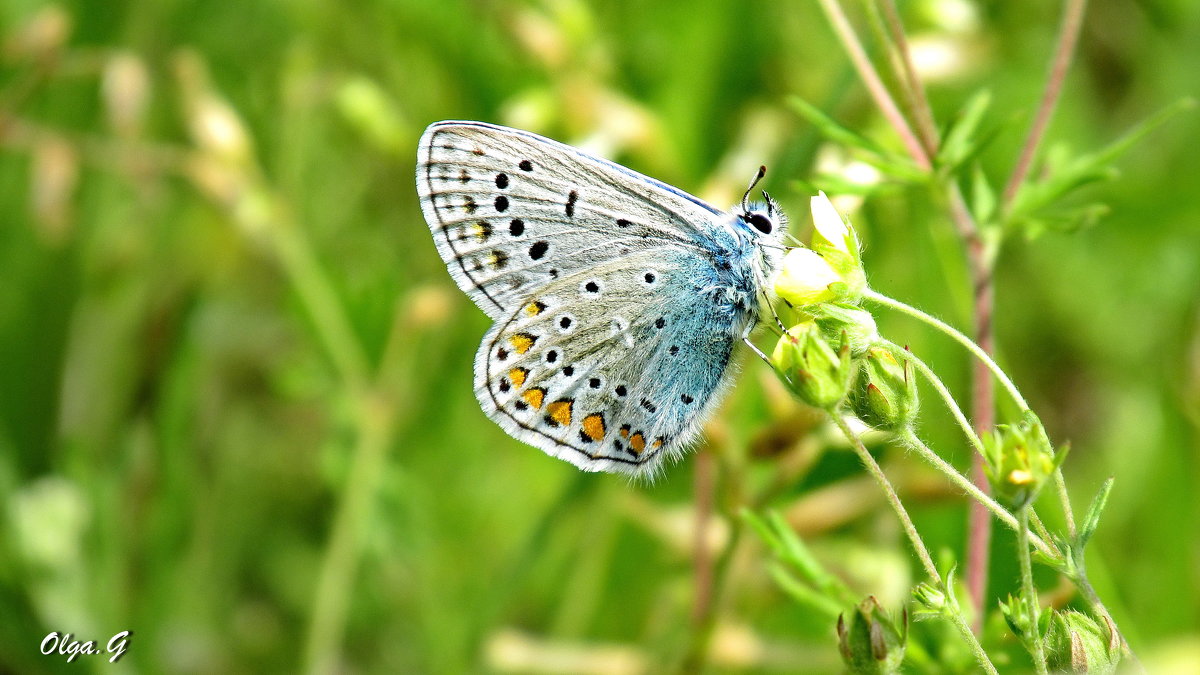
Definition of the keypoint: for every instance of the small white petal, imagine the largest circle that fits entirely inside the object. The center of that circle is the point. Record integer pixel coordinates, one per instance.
(828, 223)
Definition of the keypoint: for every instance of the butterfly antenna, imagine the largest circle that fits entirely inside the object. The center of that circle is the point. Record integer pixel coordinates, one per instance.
(762, 171)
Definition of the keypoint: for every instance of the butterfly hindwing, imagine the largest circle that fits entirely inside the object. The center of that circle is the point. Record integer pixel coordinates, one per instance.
(605, 368)
(511, 211)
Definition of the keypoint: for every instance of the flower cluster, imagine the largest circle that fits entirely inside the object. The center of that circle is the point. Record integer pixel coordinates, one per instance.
(833, 351)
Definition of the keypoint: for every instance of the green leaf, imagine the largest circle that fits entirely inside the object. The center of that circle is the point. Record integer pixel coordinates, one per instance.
(831, 129)
(983, 197)
(803, 594)
(895, 165)
(763, 529)
(958, 143)
(1090, 168)
(1092, 520)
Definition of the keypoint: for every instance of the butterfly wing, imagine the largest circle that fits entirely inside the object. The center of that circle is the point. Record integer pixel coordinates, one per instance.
(611, 367)
(604, 352)
(511, 210)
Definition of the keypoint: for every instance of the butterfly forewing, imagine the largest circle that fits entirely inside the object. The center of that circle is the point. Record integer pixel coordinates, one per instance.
(510, 210)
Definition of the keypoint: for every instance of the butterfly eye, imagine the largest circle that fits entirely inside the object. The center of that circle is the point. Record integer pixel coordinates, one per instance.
(760, 222)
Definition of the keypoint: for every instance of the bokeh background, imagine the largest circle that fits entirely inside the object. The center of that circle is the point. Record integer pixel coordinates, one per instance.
(236, 414)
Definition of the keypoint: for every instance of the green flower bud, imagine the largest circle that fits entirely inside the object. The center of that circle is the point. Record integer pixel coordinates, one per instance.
(835, 318)
(931, 601)
(872, 643)
(886, 394)
(1019, 459)
(819, 375)
(1077, 643)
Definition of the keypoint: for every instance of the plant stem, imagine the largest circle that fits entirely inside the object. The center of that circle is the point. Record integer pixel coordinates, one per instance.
(705, 486)
(914, 538)
(948, 399)
(862, 63)
(922, 113)
(911, 441)
(1030, 592)
(949, 330)
(893, 499)
(336, 579)
(1068, 37)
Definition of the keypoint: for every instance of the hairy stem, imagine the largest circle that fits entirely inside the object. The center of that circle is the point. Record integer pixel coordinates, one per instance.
(914, 538)
(1030, 592)
(948, 399)
(954, 333)
(915, 444)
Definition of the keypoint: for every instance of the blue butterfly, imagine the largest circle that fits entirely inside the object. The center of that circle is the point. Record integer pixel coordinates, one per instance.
(617, 300)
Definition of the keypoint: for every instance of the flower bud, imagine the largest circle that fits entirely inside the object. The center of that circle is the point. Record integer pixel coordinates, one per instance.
(930, 601)
(872, 643)
(1019, 459)
(885, 396)
(835, 318)
(1077, 643)
(817, 373)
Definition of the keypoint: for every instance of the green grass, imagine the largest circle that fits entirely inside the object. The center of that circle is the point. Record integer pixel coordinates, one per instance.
(236, 414)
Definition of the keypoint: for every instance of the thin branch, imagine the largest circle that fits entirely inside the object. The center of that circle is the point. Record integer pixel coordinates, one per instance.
(915, 91)
(1068, 37)
(862, 63)
(918, 544)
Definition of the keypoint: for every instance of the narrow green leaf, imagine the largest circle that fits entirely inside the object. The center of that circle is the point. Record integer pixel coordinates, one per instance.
(804, 594)
(959, 139)
(763, 529)
(1092, 520)
(1086, 169)
(831, 129)
(983, 197)
(893, 164)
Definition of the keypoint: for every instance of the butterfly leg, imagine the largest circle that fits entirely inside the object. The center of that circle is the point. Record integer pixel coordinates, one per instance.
(752, 346)
(774, 314)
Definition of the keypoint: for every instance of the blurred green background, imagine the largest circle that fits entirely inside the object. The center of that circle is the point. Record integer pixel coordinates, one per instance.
(236, 414)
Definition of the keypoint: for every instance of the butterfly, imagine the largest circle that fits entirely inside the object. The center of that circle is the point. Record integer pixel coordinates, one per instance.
(617, 300)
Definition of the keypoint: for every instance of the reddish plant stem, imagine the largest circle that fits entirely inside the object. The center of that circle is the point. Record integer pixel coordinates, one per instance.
(1068, 37)
(983, 395)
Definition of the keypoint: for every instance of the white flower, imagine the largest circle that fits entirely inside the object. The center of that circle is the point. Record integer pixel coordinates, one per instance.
(805, 278)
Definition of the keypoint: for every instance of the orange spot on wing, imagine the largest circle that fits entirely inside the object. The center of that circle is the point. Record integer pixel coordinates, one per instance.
(535, 396)
(593, 426)
(560, 411)
(517, 376)
(658, 442)
(522, 342)
(625, 431)
(637, 442)
(534, 308)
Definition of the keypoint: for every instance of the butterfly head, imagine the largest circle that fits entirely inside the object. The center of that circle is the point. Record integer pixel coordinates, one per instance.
(765, 222)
